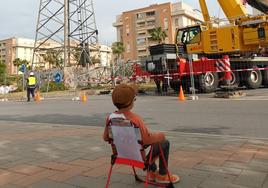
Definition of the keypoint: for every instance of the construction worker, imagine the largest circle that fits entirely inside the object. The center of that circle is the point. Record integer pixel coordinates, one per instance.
(31, 85)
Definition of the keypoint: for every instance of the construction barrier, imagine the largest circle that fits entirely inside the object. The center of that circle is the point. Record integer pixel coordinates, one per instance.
(202, 75)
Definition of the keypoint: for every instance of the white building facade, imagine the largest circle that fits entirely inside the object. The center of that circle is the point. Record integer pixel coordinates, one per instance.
(13, 48)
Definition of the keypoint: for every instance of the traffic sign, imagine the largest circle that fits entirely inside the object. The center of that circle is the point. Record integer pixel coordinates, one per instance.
(57, 77)
(23, 68)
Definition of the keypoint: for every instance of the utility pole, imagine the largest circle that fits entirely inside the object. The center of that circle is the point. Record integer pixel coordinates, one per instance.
(66, 34)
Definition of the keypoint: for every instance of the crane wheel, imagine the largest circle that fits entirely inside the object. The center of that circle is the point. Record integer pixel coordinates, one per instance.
(235, 79)
(208, 82)
(265, 77)
(253, 79)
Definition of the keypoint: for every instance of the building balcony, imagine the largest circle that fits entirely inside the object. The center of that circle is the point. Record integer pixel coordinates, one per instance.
(141, 29)
(118, 24)
(141, 47)
(150, 18)
(151, 26)
(141, 20)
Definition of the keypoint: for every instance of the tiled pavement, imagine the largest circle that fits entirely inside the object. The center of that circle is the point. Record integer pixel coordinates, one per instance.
(57, 156)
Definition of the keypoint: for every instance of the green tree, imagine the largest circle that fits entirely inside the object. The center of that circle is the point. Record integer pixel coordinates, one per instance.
(2, 68)
(54, 58)
(158, 35)
(2, 72)
(118, 49)
(18, 62)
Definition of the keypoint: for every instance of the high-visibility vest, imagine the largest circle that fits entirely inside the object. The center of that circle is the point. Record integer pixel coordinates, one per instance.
(31, 81)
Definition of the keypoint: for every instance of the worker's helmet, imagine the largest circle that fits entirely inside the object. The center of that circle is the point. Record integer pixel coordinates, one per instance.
(31, 73)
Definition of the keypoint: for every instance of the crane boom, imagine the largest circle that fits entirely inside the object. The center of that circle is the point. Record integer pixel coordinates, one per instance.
(233, 9)
(204, 10)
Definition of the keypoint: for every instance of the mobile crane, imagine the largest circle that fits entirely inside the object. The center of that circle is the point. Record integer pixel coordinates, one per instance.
(244, 40)
(243, 34)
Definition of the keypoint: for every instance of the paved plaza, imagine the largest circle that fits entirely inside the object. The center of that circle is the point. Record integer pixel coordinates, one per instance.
(46, 155)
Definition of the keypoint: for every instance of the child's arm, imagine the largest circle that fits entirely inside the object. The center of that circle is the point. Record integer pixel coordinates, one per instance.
(106, 132)
(149, 138)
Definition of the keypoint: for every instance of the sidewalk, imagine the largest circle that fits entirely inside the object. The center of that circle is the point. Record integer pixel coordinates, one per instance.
(56, 156)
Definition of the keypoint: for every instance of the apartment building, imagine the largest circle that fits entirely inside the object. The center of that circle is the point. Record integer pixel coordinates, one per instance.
(22, 48)
(133, 26)
(13, 48)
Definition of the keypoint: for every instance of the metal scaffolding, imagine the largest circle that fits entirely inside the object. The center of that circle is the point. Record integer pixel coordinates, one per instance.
(65, 26)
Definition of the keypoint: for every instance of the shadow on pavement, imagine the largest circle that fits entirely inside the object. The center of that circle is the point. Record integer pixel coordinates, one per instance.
(90, 120)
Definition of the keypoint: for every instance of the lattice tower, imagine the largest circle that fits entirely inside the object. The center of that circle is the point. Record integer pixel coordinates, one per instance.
(67, 27)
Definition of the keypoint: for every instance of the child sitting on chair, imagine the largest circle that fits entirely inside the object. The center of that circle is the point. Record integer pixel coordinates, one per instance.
(123, 98)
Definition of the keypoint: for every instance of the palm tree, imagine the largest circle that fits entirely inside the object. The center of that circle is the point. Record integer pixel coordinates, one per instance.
(18, 62)
(53, 57)
(158, 35)
(118, 49)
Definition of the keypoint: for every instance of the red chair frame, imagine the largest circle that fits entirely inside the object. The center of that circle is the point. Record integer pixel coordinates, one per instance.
(133, 163)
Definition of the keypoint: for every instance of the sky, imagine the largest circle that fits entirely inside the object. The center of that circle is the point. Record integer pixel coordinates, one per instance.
(18, 18)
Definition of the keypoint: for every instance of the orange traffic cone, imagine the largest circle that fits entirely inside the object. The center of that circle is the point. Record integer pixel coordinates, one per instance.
(37, 96)
(181, 95)
(84, 97)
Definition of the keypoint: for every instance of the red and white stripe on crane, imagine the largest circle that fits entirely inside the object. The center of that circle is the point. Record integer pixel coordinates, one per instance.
(223, 65)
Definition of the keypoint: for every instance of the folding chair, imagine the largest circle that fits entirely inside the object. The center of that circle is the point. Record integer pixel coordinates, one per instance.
(128, 149)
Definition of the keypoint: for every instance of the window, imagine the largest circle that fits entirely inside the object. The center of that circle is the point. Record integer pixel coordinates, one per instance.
(142, 51)
(140, 15)
(141, 41)
(142, 24)
(151, 13)
(151, 23)
(141, 34)
(189, 35)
